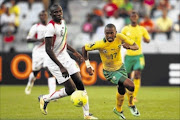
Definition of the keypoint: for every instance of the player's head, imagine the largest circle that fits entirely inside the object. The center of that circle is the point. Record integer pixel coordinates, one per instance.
(134, 17)
(43, 16)
(56, 12)
(110, 32)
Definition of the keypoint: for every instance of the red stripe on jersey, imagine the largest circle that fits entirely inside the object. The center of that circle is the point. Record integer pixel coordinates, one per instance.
(36, 35)
(52, 22)
(41, 44)
(63, 48)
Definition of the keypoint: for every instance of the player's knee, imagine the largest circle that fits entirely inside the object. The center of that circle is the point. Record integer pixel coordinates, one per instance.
(121, 90)
(131, 87)
(35, 73)
(137, 75)
(69, 91)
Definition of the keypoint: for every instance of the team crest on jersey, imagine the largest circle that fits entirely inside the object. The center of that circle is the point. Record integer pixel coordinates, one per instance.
(61, 32)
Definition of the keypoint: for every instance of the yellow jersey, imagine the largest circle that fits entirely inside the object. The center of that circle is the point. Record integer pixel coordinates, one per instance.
(110, 51)
(136, 34)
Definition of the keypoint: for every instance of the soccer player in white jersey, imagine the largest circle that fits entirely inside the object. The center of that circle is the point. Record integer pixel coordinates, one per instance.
(60, 64)
(36, 35)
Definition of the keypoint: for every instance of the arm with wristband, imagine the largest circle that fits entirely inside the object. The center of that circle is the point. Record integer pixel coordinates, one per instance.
(85, 54)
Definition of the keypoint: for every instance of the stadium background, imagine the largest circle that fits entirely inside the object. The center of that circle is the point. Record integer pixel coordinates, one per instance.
(162, 63)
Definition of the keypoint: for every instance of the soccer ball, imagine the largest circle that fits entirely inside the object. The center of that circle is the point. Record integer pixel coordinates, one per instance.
(79, 98)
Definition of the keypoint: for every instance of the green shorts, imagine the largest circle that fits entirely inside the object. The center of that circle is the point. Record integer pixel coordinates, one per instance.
(116, 76)
(134, 63)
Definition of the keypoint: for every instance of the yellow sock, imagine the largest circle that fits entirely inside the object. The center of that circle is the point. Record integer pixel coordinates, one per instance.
(119, 101)
(130, 96)
(137, 83)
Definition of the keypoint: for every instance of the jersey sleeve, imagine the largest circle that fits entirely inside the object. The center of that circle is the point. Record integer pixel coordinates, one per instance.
(92, 46)
(50, 30)
(125, 38)
(146, 34)
(32, 32)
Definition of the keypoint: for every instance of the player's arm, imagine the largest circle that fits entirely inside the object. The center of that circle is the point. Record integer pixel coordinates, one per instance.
(85, 49)
(146, 36)
(127, 42)
(75, 53)
(49, 51)
(85, 54)
(31, 35)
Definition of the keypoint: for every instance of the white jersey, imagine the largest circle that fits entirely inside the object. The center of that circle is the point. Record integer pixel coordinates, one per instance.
(59, 34)
(37, 31)
(38, 54)
(59, 47)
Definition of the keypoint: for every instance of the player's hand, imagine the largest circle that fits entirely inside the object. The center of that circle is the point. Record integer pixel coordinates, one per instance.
(126, 46)
(78, 56)
(64, 72)
(90, 70)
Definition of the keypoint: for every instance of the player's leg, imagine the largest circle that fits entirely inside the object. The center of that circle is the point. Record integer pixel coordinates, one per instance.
(130, 92)
(76, 77)
(69, 88)
(137, 82)
(120, 101)
(138, 67)
(31, 79)
(51, 82)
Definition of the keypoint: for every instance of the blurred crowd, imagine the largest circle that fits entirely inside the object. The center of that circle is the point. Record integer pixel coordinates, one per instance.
(153, 16)
(157, 16)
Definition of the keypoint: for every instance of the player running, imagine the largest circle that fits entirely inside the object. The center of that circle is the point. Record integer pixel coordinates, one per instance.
(60, 64)
(134, 60)
(36, 35)
(113, 68)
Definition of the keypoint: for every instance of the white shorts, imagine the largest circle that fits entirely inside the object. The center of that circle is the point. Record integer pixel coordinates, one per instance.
(70, 64)
(38, 60)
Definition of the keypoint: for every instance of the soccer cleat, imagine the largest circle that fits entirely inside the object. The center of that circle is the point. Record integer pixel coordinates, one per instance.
(120, 114)
(43, 105)
(28, 89)
(90, 117)
(134, 110)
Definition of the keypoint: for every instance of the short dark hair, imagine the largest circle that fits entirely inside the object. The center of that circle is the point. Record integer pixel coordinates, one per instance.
(110, 26)
(54, 6)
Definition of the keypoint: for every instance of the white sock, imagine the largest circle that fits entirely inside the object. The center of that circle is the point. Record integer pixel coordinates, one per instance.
(86, 106)
(52, 85)
(56, 95)
(31, 79)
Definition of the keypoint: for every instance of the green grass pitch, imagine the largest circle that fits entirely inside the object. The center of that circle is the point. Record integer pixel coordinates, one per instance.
(155, 103)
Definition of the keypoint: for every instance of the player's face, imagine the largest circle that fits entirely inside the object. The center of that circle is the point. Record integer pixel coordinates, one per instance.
(43, 16)
(57, 14)
(110, 34)
(134, 17)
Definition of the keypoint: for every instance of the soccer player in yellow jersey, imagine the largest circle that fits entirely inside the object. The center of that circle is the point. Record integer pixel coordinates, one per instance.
(113, 68)
(134, 60)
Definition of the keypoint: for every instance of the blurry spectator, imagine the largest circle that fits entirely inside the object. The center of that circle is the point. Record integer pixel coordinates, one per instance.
(16, 11)
(176, 26)
(149, 4)
(88, 26)
(66, 12)
(127, 6)
(164, 25)
(99, 34)
(110, 8)
(148, 24)
(119, 3)
(7, 25)
(2, 9)
(97, 12)
(164, 4)
(138, 5)
(116, 20)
